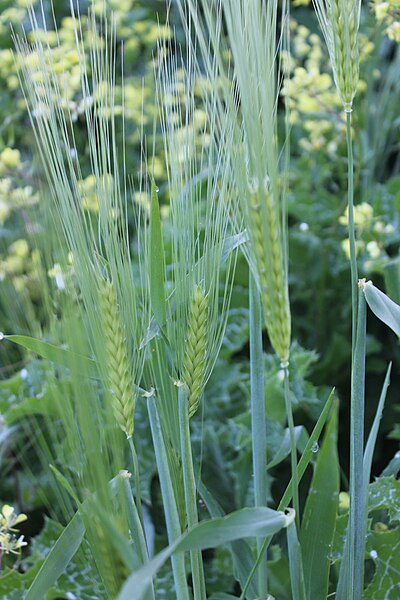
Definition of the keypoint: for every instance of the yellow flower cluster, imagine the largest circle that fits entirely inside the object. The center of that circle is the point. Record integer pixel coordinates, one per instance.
(371, 234)
(9, 542)
(388, 14)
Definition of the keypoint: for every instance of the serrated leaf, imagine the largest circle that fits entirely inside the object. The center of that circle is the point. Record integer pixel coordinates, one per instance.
(382, 306)
(384, 549)
(384, 494)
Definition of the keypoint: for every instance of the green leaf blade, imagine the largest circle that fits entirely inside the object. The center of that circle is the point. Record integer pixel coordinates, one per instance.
(58, 558)
(247, 522)
(60, 356)
(157, 261)
(318, 526)
(382, 306)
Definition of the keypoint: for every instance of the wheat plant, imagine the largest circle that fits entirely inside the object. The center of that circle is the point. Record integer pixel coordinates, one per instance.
(142, 316)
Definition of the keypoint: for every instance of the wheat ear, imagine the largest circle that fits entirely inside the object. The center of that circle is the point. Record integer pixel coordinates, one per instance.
(346, 51)
(118, 372)
(196, 346)
(339, 20)
(267, 248)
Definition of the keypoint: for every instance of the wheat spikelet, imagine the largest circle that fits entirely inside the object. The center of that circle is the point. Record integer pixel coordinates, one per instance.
(267, 248)
(339, 20)
(118, 371)
(196, 347)
(346, 51)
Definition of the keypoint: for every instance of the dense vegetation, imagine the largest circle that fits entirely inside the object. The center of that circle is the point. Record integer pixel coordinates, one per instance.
(183, 330)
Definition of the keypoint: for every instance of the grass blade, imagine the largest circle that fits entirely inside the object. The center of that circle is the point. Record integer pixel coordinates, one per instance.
(58, 558)
(368, 454)
(308, 450)
(189, 485)
(60, 356)
(382, 306)
(318, 525)
(157, 261)
(259, 442)
(170, 508)
(242, 556)
(301, 467)
(295, 563)
(355, 557)
(247, 522)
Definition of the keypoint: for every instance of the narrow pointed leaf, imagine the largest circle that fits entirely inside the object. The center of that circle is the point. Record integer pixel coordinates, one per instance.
(382, 306)
(318, 526)
(58, 558)
(308, 450)
(295, 564)
(242, 555)
(157, 261)
(60, 356)
(248, 522)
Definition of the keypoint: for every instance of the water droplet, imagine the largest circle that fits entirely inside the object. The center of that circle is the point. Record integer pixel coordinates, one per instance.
(24, 373)
(373, 554)
(304, 227)
(315, 447)
(157, 189)
(1, 335)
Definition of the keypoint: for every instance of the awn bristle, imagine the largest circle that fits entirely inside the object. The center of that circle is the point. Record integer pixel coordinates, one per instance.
(196, 347)
(270, 267)
(116, 353)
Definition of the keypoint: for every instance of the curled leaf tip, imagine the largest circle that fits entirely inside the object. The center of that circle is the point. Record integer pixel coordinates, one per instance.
(362, 283)
(290, 515)
(150, 393)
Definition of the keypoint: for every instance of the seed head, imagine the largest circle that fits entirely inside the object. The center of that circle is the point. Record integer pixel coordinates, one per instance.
(196, 347)
(118, 371)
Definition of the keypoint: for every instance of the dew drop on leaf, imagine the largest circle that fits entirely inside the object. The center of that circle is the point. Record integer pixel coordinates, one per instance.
(315, 447)
(1, 335)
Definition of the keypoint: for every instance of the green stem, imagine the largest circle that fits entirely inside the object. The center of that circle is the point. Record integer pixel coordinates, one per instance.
(189, 484)
(287, 496)
(352, 235)
(357, 497)
(259, 442)
(293, 446)
(137, 532)
(136, 478)
(169, 502)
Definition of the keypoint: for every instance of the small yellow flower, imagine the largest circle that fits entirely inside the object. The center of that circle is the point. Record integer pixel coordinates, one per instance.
(363, 215)
(9, 543)
(9, 518)
(10, 158)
